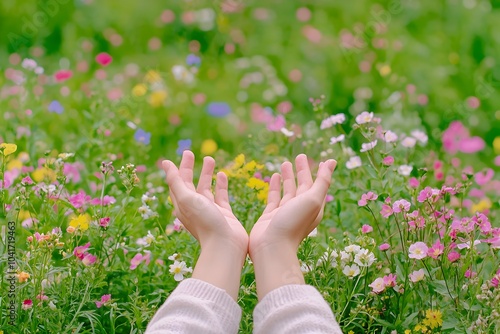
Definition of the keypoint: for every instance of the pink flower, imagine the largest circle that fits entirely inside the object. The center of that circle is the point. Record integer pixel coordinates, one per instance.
(453, 256)
(496, 279)
(470, 274)
(328, 198)
(106, 200)
(63, 75)
(89, 259)
(366, 229)
(104, 59)
(413, 182)
(390, 280)
(384, 247)
(104, 222)
(378, 285)
(425, 194)
(417, 275)
(482, 178)
(418, 251)
(388, 160)
(104, 299)
(436, 250)
(27, 180)
(79, 200)
(80, 251)
(27, 304)
(457, 138)
(369, 196)
(42, 297)
(139, 258)
(72, 171)
(401, 205)
(386, 211)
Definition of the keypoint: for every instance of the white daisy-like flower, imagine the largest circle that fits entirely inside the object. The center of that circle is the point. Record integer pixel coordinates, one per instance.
(405, 170)
(368, 146)
(287, 132)
(364, 258)
(179, 269)
(409, 142)
(335, 140)
(353, 162)
(351, 271)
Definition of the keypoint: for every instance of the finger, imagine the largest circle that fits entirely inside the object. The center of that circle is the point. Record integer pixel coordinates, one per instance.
(186, 168)
(221, 194)
(175, 183)
(304, 178)
(205, 183)
(274, 194)
(289, 188)
(323, 179)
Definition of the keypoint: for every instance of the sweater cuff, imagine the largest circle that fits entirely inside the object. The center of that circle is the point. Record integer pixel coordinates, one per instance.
(205, 291)
(284, 295)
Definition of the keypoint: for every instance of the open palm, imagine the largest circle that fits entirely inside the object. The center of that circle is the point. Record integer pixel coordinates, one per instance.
(291, 217)
(207, 217)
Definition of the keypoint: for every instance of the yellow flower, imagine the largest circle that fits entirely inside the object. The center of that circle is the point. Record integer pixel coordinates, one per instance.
(14, 164)
(408, 331)
(8, 148)
(484, 204)
(139, 90)
(43, 173)
(239, 161)
(81, 222)
(157, 98)
(23, 277)
(23, 215)
(496, 145)
(433, 318)
(350, 332)
(208, 147)
(260, 186)
(152, 76)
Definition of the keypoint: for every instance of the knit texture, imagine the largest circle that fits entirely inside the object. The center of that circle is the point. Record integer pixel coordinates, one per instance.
(199, 307)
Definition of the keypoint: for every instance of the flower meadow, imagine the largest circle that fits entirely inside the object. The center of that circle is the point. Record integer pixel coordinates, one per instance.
(91, 104)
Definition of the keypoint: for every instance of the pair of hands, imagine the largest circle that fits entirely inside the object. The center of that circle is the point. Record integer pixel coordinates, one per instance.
(287, 219)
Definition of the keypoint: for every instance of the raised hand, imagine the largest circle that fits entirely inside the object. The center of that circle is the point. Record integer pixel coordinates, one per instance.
(286, 221)
(209, 218)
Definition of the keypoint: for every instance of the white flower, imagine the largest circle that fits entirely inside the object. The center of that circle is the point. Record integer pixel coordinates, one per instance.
(351, 271)
(409, 142)
(181, 73)
(287, 132)
(29, 64)
(335, 140)
(174, 257)
(352, 248)
(332, 120)
(364, 117)
(417, 275)
(39, 70)
(420, 136)
(390, 137)
(52, 306)
(345, 257)
(179, 269)
(354, 162)
(147, 240)
(304, 267)
(146, 212)
(146, 199)
(405, 170)
(364, 258)
(368, 146)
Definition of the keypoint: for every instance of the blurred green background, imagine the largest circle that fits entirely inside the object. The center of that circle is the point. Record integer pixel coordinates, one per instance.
(423, 62)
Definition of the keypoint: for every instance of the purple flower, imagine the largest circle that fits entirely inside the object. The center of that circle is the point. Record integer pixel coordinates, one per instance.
(218, 109)
(193, 60)
(184, 144)
(142, 136)
(55, 106)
